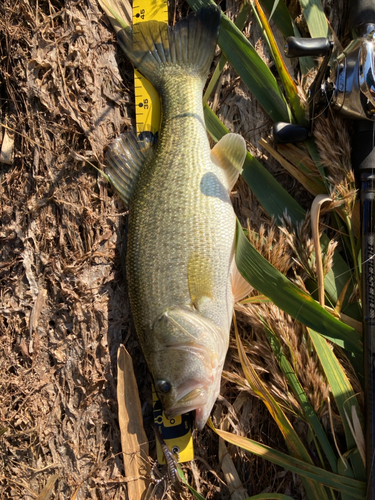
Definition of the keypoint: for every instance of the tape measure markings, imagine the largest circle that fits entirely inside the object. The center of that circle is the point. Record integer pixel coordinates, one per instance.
(177, 432)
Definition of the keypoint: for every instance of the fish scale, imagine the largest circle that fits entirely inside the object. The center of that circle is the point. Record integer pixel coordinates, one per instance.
(180, 243)
(175, 222)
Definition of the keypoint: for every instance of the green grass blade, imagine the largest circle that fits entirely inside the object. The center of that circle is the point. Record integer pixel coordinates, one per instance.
(291, 299)
(257, 299)
(250, 66)
(344, 469)
(296, 168)
(240, 23)
(338, 275)
(287, 81)
(341, 483)
(279, 13)
(292, 440)
(114, 17)
(275, 5)
(184, 480)
(315, 18)
(301, 396)
(343, 393)
(284, 22)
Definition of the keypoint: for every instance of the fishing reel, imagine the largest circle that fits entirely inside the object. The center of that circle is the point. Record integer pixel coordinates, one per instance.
(347, 84)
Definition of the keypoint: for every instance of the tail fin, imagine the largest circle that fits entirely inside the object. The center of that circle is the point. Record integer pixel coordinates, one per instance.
(154, 47)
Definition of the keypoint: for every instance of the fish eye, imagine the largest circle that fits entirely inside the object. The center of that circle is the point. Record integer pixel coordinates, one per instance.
(164, 386)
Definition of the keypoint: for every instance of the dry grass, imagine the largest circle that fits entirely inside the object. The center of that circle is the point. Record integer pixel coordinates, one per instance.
(67, 91)
(333, 142)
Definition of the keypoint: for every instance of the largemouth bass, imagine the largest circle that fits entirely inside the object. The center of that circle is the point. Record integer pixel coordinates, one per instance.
(181, 237)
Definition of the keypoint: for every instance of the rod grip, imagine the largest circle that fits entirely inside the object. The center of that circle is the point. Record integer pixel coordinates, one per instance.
(284, 133)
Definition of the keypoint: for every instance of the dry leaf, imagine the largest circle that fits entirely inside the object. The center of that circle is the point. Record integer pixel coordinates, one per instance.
(133, 437)
(7, 148)
(315, 212)
(48, 489)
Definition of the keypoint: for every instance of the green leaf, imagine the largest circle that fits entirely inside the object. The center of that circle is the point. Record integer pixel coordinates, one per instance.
(240, 23)
(315, 18)
(114, 17)
(275, 5)
(287, 81)
(313, 488)
(250, 66)
(284, 155)
(291, 299)
(343, 393)
(256, 299)
(301, 396)
(344, 469)
(336, 279)
(184, 480)
(335, 481)
(279, 12)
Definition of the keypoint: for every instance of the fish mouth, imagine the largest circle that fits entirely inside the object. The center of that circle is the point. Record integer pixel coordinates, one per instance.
(189, 397)
(197, 394)
(202, 411)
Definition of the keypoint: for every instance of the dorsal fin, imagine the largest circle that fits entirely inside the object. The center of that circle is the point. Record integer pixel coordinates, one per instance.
(125, 158)
(229, 153)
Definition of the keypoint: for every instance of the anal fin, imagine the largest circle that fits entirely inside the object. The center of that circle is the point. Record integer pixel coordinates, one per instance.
(125, 158)
(240, 287)
(229, 153)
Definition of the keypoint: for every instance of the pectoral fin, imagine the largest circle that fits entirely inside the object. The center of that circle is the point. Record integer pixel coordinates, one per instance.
(200, 279)
(229, 153)
(125, 158)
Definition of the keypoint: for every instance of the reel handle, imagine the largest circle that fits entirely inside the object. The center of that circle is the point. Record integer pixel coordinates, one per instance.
(300, 47)
(284, 133)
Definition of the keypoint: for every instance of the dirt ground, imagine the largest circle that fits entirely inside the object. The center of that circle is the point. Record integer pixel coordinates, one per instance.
(66, 90)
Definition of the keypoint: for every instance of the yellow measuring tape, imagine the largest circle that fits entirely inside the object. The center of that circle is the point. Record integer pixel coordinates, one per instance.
(176, 432)
(147, 102)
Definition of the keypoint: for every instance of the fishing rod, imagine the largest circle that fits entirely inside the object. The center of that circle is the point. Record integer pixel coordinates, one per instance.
(362, 23)
(349, 86)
